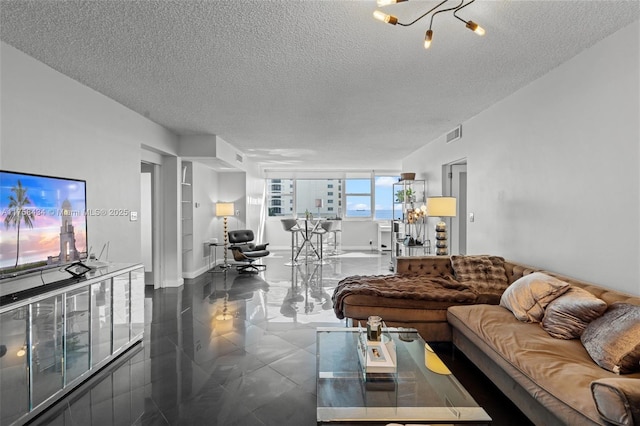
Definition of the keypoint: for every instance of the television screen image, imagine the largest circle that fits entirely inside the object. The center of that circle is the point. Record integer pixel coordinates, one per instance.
(44, 222)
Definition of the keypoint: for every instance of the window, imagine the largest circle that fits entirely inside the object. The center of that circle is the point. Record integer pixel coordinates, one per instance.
(280, 197)
(361, 195)
(384, 196)
(358, 197)
(309, 191)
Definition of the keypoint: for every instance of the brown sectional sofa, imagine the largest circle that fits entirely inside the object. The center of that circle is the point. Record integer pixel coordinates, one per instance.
(549, 379)
(429, 317)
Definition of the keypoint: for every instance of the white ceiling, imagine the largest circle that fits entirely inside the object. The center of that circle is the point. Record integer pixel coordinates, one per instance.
(307, 84)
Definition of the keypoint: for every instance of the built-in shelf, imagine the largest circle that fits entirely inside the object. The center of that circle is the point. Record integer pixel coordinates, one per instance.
(408, 237)
(187, 214)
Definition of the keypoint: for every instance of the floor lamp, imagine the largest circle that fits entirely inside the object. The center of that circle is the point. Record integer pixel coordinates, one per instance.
(441, 207)
(225, 210)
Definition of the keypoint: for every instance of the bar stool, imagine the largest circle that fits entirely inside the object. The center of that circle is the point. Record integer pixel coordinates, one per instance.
(320, 232)
(291, 225)
(328, 226)
(333, 226)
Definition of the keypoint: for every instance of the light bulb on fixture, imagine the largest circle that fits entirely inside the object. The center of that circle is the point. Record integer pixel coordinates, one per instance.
(393, 20)
(388, 2)
(381, 16)
(427, 39)
(475, 28)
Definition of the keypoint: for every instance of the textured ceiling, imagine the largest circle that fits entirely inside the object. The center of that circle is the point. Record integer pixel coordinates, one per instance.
(307, 83)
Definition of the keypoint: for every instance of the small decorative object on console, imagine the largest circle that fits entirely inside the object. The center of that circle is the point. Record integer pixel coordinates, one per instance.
(78, 269)
(377, 356)
(374, 328)
(407, 176)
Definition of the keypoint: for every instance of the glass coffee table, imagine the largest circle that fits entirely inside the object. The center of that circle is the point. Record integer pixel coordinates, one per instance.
(414, 393)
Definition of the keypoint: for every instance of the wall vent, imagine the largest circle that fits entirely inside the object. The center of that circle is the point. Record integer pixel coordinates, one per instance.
(239, 158)
(455, 134)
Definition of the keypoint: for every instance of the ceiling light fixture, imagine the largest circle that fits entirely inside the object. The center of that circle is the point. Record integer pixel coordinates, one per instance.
(427, 39)
(388, 2)
(470, 24)
(393, 20)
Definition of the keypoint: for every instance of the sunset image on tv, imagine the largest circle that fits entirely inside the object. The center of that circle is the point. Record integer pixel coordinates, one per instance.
(44, 222)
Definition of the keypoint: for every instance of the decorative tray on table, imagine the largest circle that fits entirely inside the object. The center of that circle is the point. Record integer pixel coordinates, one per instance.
(377, 356)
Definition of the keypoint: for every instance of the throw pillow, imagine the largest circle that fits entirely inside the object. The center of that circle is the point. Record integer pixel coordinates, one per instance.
(567, 316)
(613, 340)
(617, 400)
(483, 274)
(529, 295)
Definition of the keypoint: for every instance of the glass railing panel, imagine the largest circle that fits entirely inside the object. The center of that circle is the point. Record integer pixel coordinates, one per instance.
(77, 333)
(47, 334)
(121, 318)
(14, 374)
(54, 338)
(137, 302)
(100, 321)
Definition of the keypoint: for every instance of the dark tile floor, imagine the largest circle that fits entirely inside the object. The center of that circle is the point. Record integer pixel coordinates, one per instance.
(231, 349)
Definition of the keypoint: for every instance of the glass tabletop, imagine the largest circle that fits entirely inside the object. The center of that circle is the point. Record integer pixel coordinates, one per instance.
(414, 393)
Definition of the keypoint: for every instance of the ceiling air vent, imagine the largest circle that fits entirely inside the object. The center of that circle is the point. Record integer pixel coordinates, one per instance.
(455, 134)
(239, 158)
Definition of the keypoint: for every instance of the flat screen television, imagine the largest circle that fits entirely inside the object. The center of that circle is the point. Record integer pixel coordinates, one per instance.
(44, 222)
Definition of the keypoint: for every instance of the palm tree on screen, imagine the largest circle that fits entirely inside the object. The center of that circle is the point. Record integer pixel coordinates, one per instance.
(18, 213)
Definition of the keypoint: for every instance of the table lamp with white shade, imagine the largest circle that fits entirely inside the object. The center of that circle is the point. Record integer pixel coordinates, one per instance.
(225, 210)
(319, 205)
(441, 207)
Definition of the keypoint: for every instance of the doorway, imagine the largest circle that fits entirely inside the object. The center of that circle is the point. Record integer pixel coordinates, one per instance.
(455, 185)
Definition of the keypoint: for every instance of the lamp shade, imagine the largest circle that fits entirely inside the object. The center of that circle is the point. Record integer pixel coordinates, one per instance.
(224, 209)
(441, 206)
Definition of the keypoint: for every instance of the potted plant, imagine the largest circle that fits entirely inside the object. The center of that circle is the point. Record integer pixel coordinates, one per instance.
(404, 194)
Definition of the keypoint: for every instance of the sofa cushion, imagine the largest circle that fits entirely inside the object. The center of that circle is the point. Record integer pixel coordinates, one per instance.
(613, 340)
(529, 295)
(556, 372)
(567, 316)
(483, 274)
(617, 400)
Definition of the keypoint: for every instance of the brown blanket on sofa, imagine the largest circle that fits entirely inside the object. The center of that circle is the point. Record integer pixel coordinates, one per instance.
(417, 287)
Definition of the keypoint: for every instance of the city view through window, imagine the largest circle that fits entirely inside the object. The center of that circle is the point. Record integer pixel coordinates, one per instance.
(332, 198)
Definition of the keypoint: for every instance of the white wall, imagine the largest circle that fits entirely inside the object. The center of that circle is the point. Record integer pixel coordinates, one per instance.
(232, 189)
(256, 202)
(204, 196)
(553, 170)
(54, 125)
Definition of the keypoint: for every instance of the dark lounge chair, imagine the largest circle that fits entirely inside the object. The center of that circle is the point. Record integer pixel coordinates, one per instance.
(246, 251)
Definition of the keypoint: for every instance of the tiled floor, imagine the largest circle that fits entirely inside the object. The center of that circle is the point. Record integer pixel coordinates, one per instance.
(230, 349)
